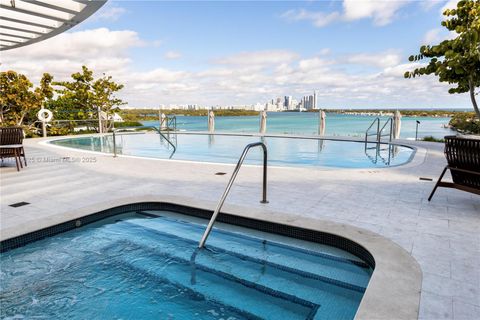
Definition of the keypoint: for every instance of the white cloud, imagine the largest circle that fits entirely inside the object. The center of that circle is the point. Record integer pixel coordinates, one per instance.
(427, 5)
(432, 36)
(267, 57)
(437, 35)
(318, 18)
(450, 4)
(76, 45)
(313, 63)
(102, 49)
(160, 75)
(110, 12)
(382, 12)
(380, 60)
(172, 55)
(242, 78)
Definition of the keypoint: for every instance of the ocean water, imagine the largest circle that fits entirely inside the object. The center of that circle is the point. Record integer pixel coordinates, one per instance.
(307, 123)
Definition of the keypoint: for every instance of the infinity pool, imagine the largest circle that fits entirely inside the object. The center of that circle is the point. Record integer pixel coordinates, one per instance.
(282, 151)
(146, 265)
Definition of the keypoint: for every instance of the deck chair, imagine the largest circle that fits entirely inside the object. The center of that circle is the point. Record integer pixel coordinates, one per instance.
(11, 145)
(463, 157)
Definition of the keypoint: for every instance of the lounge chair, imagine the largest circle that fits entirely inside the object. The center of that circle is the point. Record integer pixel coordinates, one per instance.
(11, 139)
(463, 157)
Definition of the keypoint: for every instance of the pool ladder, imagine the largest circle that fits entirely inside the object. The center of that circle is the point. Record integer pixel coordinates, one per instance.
(379, 133)
(229, 186)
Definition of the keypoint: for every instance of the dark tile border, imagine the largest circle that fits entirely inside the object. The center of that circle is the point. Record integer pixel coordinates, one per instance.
(261, 225)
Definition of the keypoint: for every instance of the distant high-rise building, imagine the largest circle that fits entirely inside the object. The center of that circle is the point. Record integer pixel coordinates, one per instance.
(288, 103)
(314, 106)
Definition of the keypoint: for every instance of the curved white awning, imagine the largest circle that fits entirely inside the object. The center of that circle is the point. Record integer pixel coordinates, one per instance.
(23, 22)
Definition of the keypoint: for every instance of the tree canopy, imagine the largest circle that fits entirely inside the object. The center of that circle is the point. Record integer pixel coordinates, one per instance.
(82, 98)
(457, 60)
(18, 98)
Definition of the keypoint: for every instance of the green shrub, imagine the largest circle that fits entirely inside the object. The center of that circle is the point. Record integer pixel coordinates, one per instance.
(127, 124)
(432, 139)
(466, 123)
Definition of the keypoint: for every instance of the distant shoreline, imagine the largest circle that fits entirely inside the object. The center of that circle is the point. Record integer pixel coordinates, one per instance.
(153, 114)
(404, 113)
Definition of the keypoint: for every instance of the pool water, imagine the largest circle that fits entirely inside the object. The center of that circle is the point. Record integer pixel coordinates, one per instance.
(146, 265)
(282, 151)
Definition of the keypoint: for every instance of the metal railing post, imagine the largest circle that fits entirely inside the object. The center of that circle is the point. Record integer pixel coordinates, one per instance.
(229, 186)
(391, 129)
(264, 186)
(378, 129)
(114, 145)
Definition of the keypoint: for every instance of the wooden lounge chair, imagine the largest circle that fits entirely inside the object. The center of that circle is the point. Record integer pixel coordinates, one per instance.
(463, 157)
(11, 139)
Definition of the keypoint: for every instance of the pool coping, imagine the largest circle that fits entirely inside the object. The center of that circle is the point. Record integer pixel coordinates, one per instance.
(395, 285)
(401, 143)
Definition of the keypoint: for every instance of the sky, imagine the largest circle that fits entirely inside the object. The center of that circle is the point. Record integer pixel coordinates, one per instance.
(352, 52)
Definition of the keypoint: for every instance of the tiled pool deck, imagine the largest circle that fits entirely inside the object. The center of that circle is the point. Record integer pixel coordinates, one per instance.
(443, 235)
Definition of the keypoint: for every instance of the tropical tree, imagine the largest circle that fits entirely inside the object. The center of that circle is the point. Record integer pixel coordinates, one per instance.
(456, 61)
(18, 99)
(84, 97)
(104, 98)
(75, 100)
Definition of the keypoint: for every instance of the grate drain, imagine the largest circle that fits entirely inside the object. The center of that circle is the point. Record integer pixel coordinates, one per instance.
(220, 173)
(19, 204)
(426, 179)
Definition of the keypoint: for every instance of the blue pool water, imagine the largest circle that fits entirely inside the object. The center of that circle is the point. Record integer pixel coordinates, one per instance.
(228, 148)
(138, 267)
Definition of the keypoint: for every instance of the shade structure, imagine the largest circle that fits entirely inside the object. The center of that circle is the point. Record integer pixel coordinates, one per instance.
(211, 121)
(397, 124)
(321, 123)
(163, 121)
(263, 121)
(24, 22)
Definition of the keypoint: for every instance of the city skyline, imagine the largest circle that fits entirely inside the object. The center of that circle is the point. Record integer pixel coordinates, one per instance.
(353, 53)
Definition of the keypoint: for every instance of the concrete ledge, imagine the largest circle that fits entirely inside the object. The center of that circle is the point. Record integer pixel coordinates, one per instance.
(393, 290)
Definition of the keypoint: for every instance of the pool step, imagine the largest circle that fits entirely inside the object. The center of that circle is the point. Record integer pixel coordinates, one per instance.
(339, 271)
(278, 280)
(214, 285)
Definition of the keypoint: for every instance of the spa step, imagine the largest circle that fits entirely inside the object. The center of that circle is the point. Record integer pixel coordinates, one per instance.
(314, 265)
(167, 300)
(306, 288)
(199, 227)
(225, 289)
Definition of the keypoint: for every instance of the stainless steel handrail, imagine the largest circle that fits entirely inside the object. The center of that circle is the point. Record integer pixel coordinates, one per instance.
(377, 120)
(230, 183)
(140, 127)
(172, 120)
(170, 123)
(390, 120)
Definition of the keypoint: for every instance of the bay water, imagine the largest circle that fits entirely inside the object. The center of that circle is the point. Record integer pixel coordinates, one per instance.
(306, 123)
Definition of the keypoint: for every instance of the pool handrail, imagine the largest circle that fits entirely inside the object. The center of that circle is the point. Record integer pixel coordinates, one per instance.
(376, 120)
(379, 134)
(389, 134)
(140, 127)
(229, 186)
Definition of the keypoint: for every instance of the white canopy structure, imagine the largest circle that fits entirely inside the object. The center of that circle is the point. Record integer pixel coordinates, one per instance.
(23, 22)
